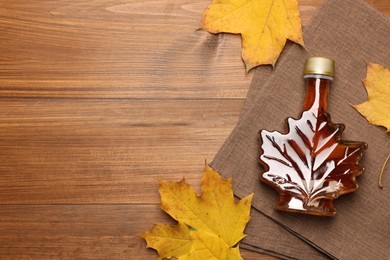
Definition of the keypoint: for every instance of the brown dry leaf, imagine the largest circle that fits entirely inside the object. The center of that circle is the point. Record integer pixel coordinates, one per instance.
(209, 226)
(265, 26)
(377, 108)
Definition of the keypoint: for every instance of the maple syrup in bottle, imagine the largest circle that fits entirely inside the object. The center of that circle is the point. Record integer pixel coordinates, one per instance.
(310, 165)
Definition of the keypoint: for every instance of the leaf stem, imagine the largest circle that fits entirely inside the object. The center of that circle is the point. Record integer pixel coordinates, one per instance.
(382, 171)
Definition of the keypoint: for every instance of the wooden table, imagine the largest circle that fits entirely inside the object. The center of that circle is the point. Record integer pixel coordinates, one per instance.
(99, 99)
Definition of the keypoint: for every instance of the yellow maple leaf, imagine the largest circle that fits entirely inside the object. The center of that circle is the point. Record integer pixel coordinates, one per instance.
(169, 241)
(265, 26)
(209, 226)
(377, 108)
(210, 246)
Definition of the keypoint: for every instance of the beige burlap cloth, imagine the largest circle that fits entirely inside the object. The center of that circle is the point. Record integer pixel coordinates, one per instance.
(352, 33)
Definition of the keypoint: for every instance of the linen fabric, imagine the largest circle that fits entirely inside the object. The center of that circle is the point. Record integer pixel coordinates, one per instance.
(352, 33)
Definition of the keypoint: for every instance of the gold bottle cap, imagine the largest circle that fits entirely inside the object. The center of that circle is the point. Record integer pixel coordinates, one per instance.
(319, 65)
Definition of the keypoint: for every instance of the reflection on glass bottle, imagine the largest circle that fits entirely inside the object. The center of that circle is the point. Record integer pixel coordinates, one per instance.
(310, 166)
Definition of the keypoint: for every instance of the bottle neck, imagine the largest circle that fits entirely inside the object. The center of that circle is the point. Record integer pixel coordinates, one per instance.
(317, 89)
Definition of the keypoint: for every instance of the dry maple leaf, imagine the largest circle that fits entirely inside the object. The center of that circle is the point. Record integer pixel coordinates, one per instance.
(310, 165)
(168, 240)
(206, 245)
(265, 26)
(377, 108)
(209, 226)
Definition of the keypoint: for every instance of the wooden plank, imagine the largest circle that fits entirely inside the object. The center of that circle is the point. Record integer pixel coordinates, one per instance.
(381, 5)
(88, 151)
(80, 232)
(119, 49)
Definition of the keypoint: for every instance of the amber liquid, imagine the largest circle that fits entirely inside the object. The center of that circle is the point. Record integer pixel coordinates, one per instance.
(310, 166)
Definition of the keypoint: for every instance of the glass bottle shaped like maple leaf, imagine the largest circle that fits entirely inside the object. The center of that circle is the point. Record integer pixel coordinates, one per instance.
(310, 166)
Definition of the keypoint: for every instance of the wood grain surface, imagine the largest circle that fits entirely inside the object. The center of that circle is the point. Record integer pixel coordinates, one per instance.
(99, 99)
